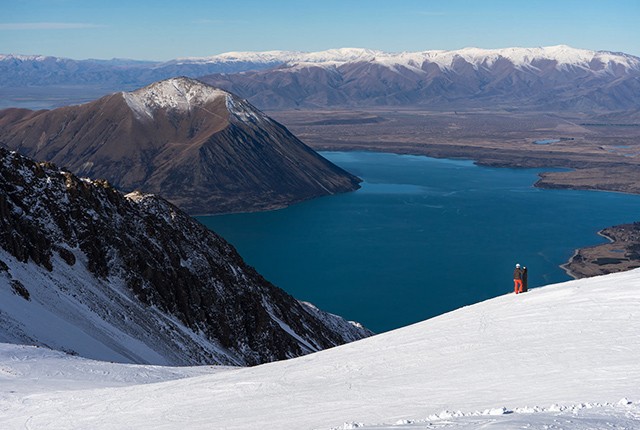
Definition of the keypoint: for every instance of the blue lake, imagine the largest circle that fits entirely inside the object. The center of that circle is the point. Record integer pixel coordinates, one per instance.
(546, 141)
(422, 237)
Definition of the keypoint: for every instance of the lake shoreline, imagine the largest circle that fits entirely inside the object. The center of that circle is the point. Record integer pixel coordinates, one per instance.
(605, 176)
(601, 154)
(355, 253)
(561, 180)
(620, 254)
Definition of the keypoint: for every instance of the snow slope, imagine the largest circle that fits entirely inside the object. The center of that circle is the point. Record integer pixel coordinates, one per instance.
(562, 356)
(29, 369)
(70, 309)
(131, 278)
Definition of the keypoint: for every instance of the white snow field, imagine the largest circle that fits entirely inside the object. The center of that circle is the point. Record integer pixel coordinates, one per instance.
(563, 55)
(565, 356)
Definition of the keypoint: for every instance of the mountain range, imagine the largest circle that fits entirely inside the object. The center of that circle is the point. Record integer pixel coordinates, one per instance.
(201, 148)
(87, 270)
(41, 70)
(557, 78)
(546, 78)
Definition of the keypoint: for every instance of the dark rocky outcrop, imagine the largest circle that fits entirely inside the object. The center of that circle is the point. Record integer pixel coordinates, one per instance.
(167, 260)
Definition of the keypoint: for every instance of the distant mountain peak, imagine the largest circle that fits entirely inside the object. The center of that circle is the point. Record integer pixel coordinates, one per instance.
(34, 71)
(541, 78)
(478, 57)
(202, 148)
(180, 94)
(562, 54)
(523, 57)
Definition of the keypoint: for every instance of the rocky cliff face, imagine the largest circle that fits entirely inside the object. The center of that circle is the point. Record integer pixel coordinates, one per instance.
(200, 148)
(132, 278)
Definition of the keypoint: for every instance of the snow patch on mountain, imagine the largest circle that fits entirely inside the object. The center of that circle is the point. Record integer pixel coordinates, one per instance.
(563, 55)
(18, 57)
(244, 112)
(70, 309)
(339, 55)
(338, 324)
(521, 57)
(240, 57)
(133, 279)
(181, 94)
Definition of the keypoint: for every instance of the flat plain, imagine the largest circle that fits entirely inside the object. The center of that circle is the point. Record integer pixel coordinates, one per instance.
(602, 152)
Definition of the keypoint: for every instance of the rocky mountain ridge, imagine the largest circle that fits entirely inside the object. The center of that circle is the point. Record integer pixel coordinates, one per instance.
(201, 148)
(234, 62)
(116, 74)
(134, 279)
(563, 55)
(546, 79)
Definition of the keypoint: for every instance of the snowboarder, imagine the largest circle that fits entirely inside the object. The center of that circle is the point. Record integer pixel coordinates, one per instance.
(525, 275)
(517, 279)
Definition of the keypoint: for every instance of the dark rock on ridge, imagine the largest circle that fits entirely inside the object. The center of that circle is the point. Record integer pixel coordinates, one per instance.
(172, 267)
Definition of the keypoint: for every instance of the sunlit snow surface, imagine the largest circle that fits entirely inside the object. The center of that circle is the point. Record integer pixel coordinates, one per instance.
(172, 94)
(522, 58)
(562, 356)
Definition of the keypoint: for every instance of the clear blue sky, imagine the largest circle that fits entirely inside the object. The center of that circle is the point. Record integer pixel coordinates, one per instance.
(161, 30)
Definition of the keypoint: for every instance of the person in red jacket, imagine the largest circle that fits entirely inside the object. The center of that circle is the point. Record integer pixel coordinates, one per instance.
(517, 279)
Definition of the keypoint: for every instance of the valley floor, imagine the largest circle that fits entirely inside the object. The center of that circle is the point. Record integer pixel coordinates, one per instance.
(561, 356)
(604, 153)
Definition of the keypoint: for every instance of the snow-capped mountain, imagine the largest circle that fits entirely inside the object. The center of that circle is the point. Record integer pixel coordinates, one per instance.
(116, 74)
(342, 55)
(563, 55)
(547, 78)
(550, 78)
(201, 148)
(563, 356)
(87, 270)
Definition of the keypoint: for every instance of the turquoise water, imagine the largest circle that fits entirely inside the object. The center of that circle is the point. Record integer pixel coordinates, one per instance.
(422, 237)
(546, 141)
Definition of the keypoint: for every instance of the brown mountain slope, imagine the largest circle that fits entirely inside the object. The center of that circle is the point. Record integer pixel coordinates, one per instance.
(199, 147)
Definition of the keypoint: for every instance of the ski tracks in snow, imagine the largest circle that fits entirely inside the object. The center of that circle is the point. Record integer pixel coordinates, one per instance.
(584, 416)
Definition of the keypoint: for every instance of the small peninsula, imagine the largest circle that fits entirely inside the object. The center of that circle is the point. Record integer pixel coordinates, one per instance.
(620, 254)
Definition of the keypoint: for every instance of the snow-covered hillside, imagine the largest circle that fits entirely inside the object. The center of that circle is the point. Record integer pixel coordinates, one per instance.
(563, 55)
(87, 270)
(561, 356)
(553, 78)
(172, 94)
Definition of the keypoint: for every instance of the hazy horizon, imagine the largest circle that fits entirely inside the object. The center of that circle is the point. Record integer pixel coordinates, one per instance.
(163, 30)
